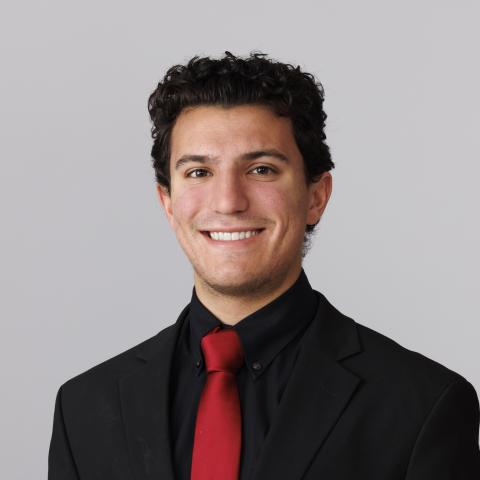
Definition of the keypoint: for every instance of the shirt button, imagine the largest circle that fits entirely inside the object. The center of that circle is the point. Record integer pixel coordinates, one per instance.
(256, 366)
(198, 363)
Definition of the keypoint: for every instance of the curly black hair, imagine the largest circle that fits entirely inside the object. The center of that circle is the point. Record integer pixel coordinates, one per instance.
(230, 81)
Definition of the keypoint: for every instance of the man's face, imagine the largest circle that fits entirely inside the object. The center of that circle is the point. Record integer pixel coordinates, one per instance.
(239, 202)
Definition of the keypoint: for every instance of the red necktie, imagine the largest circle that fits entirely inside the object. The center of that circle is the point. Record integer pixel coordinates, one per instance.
(218, 427)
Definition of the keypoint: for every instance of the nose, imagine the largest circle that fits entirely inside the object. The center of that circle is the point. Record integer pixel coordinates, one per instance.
(229, 194)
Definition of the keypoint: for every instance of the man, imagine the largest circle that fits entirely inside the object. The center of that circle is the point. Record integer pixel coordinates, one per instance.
(260, 377)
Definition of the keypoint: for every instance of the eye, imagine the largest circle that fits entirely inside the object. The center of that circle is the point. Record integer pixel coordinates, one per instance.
(197, 173)
(263, 170)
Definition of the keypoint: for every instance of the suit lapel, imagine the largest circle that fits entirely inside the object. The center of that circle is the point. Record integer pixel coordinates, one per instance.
(144, 397)
(315, 397)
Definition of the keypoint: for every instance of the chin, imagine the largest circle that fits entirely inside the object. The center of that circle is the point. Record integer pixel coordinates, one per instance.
(231, 284)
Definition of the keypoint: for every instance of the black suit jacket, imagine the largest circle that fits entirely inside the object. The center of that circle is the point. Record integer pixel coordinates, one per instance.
(357, 406)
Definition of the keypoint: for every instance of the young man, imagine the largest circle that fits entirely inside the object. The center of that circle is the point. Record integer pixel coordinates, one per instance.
(260, 377)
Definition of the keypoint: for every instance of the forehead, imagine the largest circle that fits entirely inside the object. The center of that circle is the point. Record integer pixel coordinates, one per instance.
(233, 130)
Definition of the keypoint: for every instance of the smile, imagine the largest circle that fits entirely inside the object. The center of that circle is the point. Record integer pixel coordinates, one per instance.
(232, 236)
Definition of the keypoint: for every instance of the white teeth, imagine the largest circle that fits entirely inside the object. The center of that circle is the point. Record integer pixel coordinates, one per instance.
(232, 235)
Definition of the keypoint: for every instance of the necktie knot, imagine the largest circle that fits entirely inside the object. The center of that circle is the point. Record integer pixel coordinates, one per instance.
(222, 350)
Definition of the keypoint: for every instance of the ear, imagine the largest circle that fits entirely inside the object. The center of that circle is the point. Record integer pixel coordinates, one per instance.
(319, 193)
(166, 202)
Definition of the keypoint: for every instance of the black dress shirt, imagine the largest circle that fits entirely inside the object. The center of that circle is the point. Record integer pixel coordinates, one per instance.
(270, 338)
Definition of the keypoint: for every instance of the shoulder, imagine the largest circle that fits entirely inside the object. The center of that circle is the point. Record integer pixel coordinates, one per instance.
(387, 366)
(103, 377)
(399, 389)
(382, 356)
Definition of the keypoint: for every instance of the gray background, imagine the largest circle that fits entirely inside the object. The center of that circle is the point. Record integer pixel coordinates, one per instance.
(89, 267)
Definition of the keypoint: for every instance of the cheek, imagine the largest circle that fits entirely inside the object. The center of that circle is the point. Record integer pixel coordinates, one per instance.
(185, 206)
(286, 204)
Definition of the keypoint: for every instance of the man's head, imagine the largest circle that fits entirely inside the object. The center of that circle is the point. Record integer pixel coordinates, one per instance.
(239, 146)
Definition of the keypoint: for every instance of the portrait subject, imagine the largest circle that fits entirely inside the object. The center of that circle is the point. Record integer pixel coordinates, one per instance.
(261, 376)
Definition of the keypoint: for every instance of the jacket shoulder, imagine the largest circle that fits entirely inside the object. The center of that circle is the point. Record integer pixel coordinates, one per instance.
(105, 374)
(379, 357)
(383, 357)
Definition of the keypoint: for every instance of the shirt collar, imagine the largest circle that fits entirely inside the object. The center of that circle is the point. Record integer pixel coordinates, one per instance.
(263, 333)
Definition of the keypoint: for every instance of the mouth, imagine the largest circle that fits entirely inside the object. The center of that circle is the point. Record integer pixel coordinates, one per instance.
(232, 236)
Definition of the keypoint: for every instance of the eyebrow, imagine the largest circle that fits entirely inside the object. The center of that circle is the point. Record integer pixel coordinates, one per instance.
(254, 155)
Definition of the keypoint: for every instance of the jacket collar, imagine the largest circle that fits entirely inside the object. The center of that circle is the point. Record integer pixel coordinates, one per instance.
(316, 395)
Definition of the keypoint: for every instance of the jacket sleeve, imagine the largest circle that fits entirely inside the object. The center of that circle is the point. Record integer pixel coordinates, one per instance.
(447, 444)
(61, 465)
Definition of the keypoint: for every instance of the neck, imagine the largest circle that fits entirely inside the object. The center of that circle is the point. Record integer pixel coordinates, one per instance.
(230, 309)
